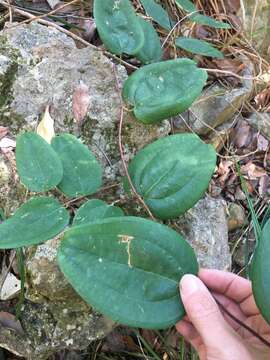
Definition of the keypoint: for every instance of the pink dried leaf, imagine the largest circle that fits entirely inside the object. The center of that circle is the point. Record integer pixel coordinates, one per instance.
(80, 102)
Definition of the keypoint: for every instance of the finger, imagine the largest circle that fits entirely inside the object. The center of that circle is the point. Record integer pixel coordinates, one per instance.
(203, 312)
(232, 286)
(232, 307)
(190, 334)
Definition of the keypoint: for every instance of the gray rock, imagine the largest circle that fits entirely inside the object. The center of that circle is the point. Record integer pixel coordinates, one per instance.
(261, 122)
(205, 227)
(215, 106)
(48, 329)
(40, 66)
(236, 217)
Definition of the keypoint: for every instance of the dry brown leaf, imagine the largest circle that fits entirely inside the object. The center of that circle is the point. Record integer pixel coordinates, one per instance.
(232, 6)
(224, 170)
(46, 126)
(262, 100)
(233, 65)
(262, 143)
(9, 321)
(80, 102)
(89, 26)
(242, 134)
(253, 171)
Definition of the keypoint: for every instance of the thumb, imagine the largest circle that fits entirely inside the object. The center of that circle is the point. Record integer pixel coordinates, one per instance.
(203, 311)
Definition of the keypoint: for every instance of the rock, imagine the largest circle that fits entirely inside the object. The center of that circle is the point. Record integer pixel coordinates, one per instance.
(205, 227)
(215, 106)
(41, 66)
(256, 23)
(219, 137)
(42, 325)
(236, 217)
(261, 122)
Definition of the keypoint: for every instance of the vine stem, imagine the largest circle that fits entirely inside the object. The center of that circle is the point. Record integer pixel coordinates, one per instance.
(239, 322)
(120, 145)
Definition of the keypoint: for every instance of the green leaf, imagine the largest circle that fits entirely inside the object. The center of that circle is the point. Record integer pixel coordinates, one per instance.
(152, 50)
(94, 210)
(38, 165)
(260, 270)
(208, 21)
(82, 172)
(2, 215)
(128, 269)
(186, 5)
(172, 173)
(161, 90)
(118, 26)
(200, 47)
(157, 13)
(38, 220)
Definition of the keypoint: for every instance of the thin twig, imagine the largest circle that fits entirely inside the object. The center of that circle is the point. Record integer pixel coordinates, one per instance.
(35, 18)
(230, 73)
(175, 26)
(239, 322)
(140, 199)
(68, 33)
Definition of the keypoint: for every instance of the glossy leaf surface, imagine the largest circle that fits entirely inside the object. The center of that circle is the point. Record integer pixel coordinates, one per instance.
(129, 269)
(157, 13)
(186, 5)
(118, 26)
(38, 220)
(200, 47)
(161, 90)
(82, 172)
(208, 21)
(151, 51)
(173, 173)
(260, 270)
(94, 210)
(38, 166)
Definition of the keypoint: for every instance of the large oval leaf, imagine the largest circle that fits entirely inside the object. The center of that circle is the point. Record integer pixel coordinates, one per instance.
(118, 26)
(161, 90)
(157, 13)
(152, 50)
(38, 165)
(260, 270)
(173, 173)
(82, 172)
(94, 210)
(38, 220)
(129, 269)
(197, 46)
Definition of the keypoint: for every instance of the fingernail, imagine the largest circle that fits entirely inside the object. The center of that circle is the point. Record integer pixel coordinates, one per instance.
(189, 284)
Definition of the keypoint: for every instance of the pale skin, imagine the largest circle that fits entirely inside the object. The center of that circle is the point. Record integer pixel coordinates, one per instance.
(214, 335)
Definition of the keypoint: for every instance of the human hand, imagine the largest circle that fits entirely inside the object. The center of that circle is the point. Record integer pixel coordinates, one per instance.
(214, 334)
